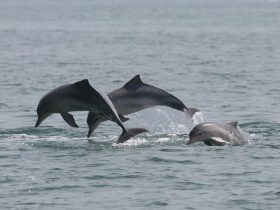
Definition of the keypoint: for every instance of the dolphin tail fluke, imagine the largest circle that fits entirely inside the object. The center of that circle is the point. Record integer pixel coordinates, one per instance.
(187, 112)
(130, 133)
(123, 118)
(191, 111)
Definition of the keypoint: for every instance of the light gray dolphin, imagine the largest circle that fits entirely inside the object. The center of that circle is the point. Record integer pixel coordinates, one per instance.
(217, 134)
(135, 96)
(80, 96)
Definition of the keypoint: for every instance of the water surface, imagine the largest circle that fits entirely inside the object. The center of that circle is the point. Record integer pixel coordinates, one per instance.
(222, 57)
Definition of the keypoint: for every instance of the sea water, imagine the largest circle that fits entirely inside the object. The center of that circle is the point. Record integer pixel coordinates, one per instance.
(220, 56)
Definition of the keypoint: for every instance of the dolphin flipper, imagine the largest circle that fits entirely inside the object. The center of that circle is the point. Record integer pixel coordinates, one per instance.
(217, 141)
(130, 133)
(69, 119)
(123, 119)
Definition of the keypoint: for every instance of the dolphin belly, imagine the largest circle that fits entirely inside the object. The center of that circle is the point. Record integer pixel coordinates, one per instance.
(128, 105)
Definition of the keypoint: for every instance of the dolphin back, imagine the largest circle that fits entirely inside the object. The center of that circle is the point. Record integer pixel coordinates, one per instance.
(157, 95)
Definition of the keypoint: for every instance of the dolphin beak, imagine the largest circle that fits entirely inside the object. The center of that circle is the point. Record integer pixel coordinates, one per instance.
(193, 139)
(41, 119)
(190, 142)
(38, 122)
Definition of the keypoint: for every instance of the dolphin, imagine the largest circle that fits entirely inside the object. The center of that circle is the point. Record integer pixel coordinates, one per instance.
(81, 96)
(135, 96)
(217, 134)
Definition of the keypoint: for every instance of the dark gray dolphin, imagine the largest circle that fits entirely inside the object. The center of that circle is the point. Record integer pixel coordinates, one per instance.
(80, 96)
(217, 134)
(135, 96)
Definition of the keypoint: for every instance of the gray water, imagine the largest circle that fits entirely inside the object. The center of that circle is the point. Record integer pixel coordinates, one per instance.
(220, 56)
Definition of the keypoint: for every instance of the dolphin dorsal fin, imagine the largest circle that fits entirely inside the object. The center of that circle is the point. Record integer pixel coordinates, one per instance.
(134, 83)
(233, 123)
(83, 84)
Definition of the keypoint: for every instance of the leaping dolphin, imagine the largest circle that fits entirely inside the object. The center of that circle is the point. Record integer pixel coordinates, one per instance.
(217, 134)
(135, 96)
(80, 96)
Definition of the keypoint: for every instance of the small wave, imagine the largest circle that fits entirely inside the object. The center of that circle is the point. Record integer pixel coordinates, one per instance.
(171, 150)
(41, 132)
(277, 193)
(165, 160)
(2, 105)
(156, 203)
(49, 137)
(20, 136)
(28, 138)
(261, 132)
(116, 176)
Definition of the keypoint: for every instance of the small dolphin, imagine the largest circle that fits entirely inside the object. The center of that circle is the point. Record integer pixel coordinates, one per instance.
(217, 134)
(80, 96)
(135, 96)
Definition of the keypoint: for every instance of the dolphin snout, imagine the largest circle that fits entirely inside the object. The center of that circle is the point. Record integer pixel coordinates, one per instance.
(38, 122)
(190, 142)
(41, 118)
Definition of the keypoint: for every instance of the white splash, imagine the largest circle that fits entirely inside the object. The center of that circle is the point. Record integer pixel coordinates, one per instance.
(162, 140)
(198, 118)
(131, 143)
(21, 137)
